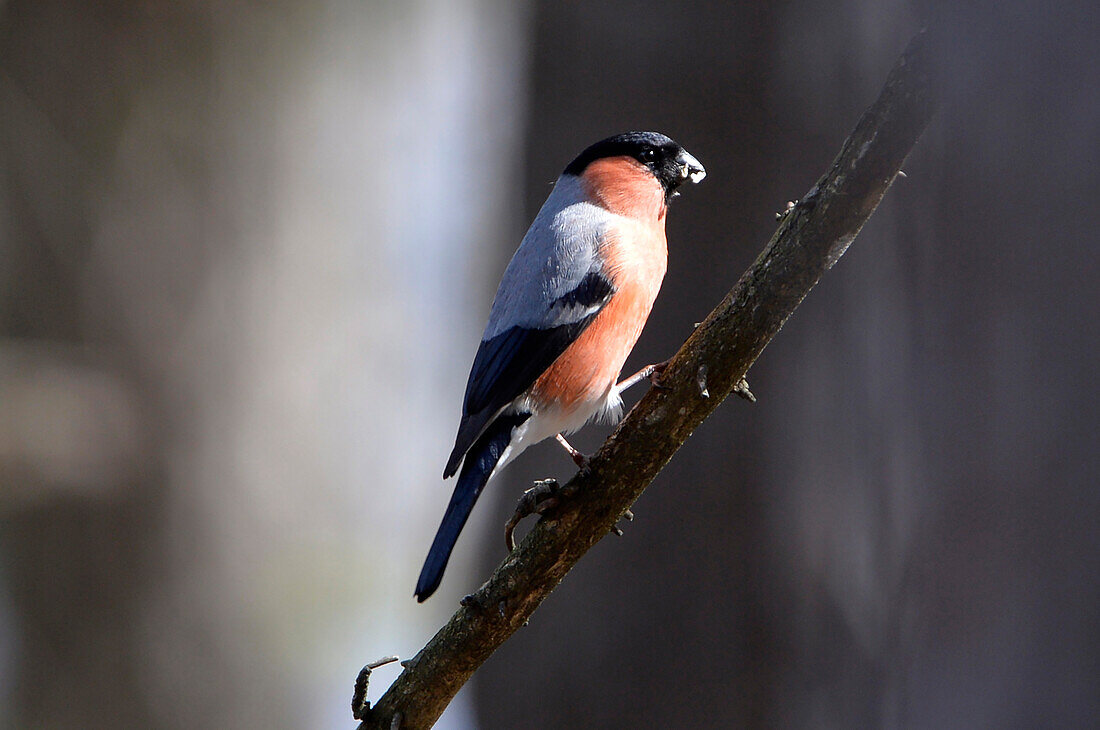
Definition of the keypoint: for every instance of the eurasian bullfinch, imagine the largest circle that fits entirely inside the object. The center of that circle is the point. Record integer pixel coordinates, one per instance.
(568, 311)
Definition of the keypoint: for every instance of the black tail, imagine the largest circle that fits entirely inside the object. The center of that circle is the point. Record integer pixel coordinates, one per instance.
(480, 461)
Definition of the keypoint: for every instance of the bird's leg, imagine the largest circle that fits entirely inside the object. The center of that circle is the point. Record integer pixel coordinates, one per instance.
(649, 371)
(578, 458)
(538, 500)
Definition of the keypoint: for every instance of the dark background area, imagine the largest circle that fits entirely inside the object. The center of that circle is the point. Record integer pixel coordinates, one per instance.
(902, 532)
(245, 255)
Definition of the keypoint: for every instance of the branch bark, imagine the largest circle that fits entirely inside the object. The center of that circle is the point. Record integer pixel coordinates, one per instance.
(811, 237)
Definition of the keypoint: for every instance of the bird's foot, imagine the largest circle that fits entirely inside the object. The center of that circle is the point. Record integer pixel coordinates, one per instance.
(538, 500)
(649, 372)
(655, 372)
(578, 458)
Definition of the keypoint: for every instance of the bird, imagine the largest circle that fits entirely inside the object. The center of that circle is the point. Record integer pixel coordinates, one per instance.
(569, 308)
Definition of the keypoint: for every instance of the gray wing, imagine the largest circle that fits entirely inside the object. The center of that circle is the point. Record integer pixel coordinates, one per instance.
(551, 291)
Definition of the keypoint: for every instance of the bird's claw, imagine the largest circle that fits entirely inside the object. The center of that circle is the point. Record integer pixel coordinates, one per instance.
(651, 373)
(656, 371)
(578, 458)
(538, 500)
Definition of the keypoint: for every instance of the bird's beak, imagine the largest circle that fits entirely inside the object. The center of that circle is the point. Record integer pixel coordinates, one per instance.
(690, 169)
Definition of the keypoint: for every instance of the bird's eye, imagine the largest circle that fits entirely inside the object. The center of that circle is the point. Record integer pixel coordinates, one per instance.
(649, 154)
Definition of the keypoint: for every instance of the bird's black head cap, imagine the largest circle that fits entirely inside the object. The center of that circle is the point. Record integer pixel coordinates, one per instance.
(668, 161)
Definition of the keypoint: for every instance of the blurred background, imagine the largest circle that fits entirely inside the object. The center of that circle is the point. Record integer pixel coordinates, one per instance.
(246, 252)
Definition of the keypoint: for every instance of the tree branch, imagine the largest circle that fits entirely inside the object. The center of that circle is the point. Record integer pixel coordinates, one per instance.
(812, 236)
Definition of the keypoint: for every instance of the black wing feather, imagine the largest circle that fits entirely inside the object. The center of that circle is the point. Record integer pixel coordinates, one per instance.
(508, 364)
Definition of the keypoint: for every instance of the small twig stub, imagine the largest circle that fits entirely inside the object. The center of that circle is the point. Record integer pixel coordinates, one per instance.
(359, 705)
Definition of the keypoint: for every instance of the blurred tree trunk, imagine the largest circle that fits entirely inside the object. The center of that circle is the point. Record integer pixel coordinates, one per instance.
(223, 303)
(85, 502)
